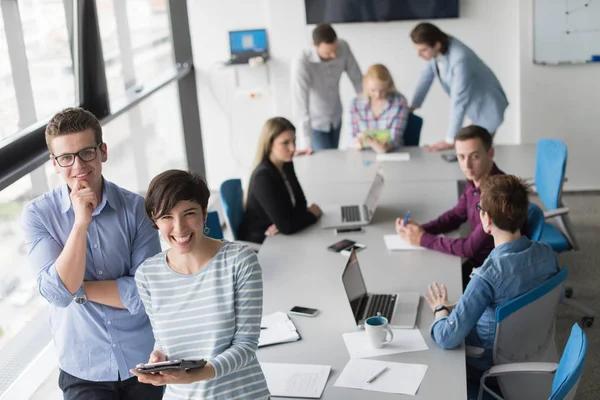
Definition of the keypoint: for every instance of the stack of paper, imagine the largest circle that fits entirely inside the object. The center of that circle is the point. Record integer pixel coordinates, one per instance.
(277, 328)
(296, 380)
(395, 242)
(405, 340)
(398, 378)
(393, 157)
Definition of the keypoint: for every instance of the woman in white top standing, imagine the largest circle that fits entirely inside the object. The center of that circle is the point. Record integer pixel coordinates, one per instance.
(203, 298)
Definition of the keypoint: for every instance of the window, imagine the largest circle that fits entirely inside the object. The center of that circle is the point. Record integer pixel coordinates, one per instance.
(136, 41)
(36, 68)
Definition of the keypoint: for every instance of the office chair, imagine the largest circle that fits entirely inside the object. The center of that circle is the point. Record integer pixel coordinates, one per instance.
(232, 198)
(566, 373)
(213, 226)
(535, 222)
(412, 133)
(525, 332)
(551, 164)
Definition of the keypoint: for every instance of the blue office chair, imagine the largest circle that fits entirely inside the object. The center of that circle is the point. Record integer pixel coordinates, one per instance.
(530, 318)
(535, 222)
(412, 133)
(232, 198)
(566, 373)
(213, 226)
(551, 164)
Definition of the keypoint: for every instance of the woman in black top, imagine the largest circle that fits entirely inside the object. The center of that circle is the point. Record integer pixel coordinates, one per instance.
(275, 201)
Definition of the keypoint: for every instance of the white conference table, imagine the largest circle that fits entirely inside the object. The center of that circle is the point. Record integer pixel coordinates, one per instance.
(299, 270)
(358, 166)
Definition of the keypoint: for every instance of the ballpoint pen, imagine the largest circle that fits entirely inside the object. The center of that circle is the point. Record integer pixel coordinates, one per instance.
(377, 375)
(406, 218)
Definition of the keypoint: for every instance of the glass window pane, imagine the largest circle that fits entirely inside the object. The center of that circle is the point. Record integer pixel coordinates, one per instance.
(110, 47)
(150, 38)
(36, 68)
(9, 113)
(49, 58)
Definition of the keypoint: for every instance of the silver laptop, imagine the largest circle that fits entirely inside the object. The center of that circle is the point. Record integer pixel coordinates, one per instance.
(399, 308)
(354, 215)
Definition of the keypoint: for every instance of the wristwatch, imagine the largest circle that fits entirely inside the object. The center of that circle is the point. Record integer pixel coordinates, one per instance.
(80, 297)
(440, 307)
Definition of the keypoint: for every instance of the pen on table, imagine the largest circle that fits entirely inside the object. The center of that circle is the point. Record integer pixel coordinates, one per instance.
(263, 327)
(406, 218)
(377, 375)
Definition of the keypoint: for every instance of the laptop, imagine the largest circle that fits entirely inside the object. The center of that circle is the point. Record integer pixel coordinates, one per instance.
(354, 215)
(400, 309)
(248, 44)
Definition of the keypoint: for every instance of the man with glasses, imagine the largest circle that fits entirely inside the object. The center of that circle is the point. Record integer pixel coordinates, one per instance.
(473, 145)
(85, 241)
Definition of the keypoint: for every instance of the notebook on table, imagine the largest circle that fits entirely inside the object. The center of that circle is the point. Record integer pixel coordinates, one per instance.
(277, 328)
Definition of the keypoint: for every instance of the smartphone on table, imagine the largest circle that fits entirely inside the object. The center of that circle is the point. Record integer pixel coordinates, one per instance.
(304, 311)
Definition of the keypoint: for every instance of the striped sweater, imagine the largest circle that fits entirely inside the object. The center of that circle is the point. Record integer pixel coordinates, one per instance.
(213, 314)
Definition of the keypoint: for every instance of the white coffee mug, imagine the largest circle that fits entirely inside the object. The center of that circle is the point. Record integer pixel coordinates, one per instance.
(377, 331)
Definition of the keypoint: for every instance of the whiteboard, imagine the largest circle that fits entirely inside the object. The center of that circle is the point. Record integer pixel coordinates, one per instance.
(566, 31)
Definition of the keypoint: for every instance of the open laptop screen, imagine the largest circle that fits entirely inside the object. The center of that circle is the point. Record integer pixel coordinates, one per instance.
(374, 194)
(353, 281)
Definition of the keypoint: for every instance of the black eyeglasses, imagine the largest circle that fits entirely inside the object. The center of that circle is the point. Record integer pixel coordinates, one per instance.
(478, 207)
(86, 155)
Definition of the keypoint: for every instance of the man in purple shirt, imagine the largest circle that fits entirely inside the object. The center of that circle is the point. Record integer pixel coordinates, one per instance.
(473, 145)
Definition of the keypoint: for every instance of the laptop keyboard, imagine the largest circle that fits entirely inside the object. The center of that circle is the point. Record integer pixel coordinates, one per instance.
(383, 303)
(350, 214)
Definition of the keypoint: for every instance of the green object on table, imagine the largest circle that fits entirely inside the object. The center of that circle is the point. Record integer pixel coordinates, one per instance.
(381, 135)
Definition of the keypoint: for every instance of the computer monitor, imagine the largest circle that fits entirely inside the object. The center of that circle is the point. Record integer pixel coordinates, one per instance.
(247, 44)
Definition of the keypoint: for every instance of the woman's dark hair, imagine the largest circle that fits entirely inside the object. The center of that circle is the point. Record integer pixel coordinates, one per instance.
(323, 33)
(172, 186)
(429, 34)
(506, 200)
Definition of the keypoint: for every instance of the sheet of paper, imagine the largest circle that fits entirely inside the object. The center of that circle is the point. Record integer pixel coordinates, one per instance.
(393, 157)
(279, 329)
(395, 242)
(405, 340)
(296, 380)
(399, 378)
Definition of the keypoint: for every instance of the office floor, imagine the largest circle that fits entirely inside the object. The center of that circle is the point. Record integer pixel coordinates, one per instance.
(584, 277)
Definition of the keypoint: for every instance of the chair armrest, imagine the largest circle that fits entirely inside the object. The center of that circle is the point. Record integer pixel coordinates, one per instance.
(474, 352)
(514, 368)
(556, 213)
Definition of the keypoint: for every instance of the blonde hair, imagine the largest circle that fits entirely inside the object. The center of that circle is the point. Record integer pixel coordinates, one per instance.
(271, 129)
(378, 72)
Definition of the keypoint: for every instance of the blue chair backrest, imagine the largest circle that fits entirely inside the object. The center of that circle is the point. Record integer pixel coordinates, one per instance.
(550, 166)
(232, 198)
(535, 222)
(412, 133)
(214, 226)
(571, 364)
(515, 304)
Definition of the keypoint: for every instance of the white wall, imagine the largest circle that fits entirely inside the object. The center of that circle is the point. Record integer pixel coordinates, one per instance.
(558, 101)
(231, 121)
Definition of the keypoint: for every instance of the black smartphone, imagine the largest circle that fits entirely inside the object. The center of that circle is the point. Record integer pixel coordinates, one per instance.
(304, 311)
(450, 157)
(341, 245)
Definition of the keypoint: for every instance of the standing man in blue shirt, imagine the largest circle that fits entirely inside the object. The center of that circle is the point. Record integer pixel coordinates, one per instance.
(473, 88)
(85, 241)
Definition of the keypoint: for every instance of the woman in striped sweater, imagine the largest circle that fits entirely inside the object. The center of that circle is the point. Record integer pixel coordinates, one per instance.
(203, 298)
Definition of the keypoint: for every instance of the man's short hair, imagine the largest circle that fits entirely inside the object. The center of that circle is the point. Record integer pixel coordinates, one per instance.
(474, 132)
(505, 199)
(73, 120)
(172, 186)
(323, 33)
(429, 34)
